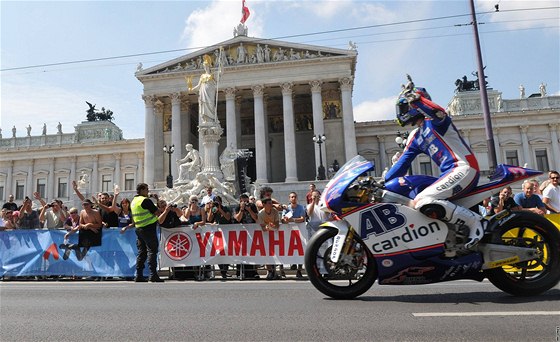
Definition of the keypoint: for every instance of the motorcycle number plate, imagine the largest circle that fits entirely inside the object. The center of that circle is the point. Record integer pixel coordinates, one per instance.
(336, 250)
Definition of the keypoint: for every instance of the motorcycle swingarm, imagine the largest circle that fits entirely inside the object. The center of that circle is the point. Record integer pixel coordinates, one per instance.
(495, 255)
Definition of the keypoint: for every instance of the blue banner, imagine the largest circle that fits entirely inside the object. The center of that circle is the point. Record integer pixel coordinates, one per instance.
(44, 253)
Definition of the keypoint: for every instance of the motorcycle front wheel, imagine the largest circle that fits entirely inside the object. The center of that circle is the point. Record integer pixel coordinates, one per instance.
(350, 277)
(528, 278)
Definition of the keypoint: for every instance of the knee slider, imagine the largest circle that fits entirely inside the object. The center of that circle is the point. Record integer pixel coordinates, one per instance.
(434, 211)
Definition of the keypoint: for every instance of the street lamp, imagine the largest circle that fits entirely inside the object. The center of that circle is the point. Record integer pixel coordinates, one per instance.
(319, 139)
(169, 150)
(401, 139)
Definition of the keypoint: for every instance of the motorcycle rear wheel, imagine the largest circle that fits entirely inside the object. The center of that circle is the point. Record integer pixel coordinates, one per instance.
(352, 276)
(528, 278)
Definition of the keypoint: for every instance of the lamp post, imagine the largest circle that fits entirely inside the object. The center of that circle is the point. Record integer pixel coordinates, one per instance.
(169, 150)
(319, 139)
(401, 140)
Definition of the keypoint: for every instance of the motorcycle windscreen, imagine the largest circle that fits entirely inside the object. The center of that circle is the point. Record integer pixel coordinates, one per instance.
(333, 194)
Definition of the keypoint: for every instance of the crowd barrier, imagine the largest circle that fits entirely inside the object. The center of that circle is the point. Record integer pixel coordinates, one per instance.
(42, 252)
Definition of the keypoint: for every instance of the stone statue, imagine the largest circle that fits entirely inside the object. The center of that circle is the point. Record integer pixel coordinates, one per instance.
(139, 67)
(260, 53)
(396, 157)
(521, 91)
(59, 128)
(542, 89)
(206, 93)
(241, 54)
(14, 132)
(84, 181)
(190, 165)
(28, 130)
(227, 163)
(44, 129)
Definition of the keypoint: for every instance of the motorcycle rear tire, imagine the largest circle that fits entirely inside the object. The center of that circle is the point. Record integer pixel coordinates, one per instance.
(313, 255)
(533, 277)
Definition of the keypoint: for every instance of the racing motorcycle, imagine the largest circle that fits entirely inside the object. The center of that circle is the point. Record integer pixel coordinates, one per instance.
(376, 234)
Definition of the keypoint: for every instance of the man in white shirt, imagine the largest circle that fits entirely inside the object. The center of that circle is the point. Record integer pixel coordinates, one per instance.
(551, 194)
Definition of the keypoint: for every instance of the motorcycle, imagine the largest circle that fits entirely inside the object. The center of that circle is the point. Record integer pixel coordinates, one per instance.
(376, 234)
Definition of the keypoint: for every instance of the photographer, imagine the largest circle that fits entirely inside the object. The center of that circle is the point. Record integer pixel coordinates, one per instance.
(52, 216)
(170, 215)
(28, 218)
(246, 212)
(220, 214)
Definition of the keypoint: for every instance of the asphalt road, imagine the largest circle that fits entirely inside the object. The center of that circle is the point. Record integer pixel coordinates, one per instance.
(285, 310)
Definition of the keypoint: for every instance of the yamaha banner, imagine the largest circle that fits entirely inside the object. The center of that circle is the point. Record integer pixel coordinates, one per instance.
(233, 244)
(44, 253)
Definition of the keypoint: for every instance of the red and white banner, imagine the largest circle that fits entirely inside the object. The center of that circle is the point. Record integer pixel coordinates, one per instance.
(233, 244)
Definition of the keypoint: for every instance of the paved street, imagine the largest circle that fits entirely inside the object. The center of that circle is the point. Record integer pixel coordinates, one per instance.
(285, 310)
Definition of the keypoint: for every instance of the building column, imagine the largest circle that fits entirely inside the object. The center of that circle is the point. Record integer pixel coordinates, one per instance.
(117, 173)
(499, 152)
(158, 161)
(186, 128)
(289, 132)
(382, 154)
(231, 119)
(140, 167)
(50, 182)
(149, 138)
(238, 100)
(29, 180)
(260, 135)
(526, 152)
(318, 126)
(72, 176)
(555, 165)
(9, 179)
(94, 186)
(350, 147)
(176, 138)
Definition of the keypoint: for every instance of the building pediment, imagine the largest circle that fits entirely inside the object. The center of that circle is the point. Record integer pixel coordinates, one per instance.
(510, 143)
(540, 141)
(243, 51)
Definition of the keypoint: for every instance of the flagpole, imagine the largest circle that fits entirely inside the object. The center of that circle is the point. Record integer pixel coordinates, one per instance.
(219, 72)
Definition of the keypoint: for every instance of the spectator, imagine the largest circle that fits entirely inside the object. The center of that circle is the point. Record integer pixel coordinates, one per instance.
(90, 232)
(220, 214)
(170, 215)
(266, 192)
(309, 195)
(73, 219)
(551, 194)
(295, 213)
(209, 197)
(7, 220)
(105, 204)
(315, 214)
(269, 220)
(503, 201)
(122, 210)
(544, 184)
(10, 205)
(536, 187)
(28, 217)
(194, 214)
(528, 200)
(246, 212)
(144, 215)
(52, 216)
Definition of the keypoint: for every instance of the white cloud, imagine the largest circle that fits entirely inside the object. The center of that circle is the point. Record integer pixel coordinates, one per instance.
(381, 109)
(201, 30)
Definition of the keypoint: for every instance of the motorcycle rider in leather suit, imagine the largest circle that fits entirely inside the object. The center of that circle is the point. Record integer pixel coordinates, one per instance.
(436, 136)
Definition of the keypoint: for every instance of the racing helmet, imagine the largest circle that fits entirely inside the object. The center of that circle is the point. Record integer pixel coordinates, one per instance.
(407, 114)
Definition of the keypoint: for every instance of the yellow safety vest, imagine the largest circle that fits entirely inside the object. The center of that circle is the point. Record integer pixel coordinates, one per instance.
(142, 217)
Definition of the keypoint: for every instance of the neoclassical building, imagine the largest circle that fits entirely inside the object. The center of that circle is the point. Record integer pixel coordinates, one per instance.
(48, 163)
(273, 97)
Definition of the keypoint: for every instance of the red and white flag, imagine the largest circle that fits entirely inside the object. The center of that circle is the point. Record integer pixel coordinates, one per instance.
(244, 12)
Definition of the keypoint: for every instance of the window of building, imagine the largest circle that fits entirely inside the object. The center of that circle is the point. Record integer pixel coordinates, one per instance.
(1, 191)
(62, 188)
(511, 158)
(426, 168)
(20, 189)
(42, 187)
(106, 183)
(542, 160)
(129, 181)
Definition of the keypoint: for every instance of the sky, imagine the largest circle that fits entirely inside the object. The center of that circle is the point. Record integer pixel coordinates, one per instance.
(430, 40)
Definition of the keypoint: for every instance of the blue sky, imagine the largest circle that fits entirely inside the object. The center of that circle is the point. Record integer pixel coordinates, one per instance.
(520, 45)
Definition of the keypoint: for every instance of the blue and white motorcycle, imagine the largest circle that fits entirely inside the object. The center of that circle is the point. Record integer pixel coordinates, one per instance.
(376, 235)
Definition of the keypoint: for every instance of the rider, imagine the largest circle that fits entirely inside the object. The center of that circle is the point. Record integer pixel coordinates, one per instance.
(436, 136)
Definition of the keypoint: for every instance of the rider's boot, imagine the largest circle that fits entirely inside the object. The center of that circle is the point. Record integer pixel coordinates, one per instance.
(449, 212)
